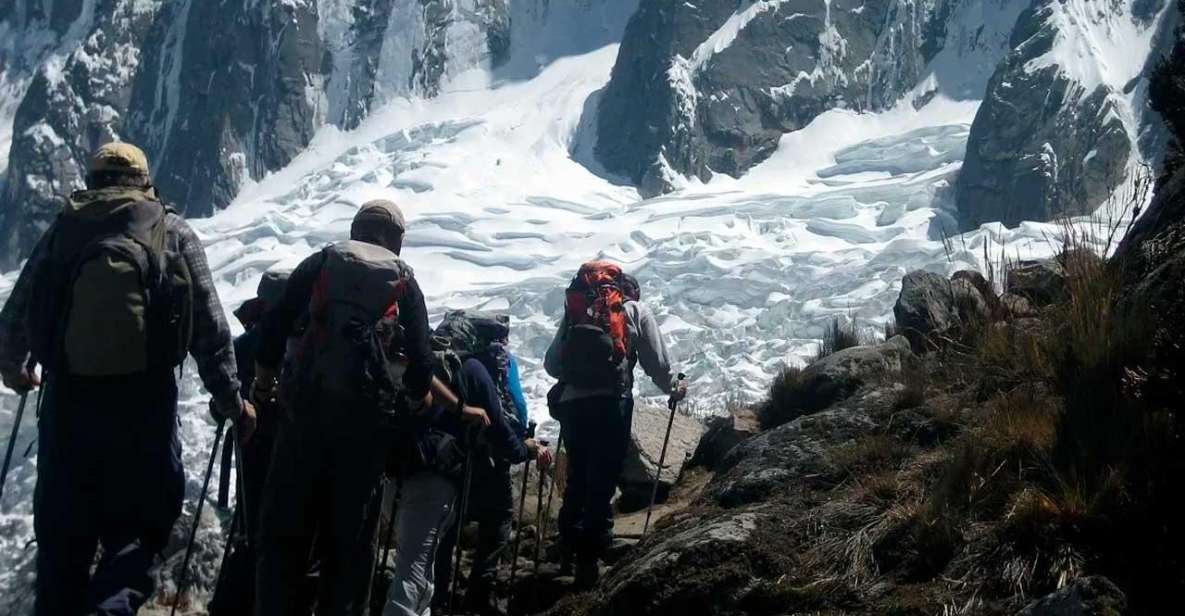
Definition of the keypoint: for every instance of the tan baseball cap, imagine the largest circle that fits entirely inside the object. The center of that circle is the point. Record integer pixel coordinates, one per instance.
(119, 157)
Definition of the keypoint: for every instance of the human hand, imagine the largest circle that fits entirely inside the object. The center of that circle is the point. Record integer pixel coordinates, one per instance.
(474, 416)
(21, 381)
(419, 405)
(678, 389)
(264, 389)
(246, 423)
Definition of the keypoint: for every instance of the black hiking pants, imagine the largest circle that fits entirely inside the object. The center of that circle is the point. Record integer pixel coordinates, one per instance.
(109, 475)
(325, 484)
(491, 505)
(596, 434)
(234, 592)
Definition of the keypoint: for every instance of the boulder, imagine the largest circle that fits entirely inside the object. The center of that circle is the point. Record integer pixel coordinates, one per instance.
(641, 461)
(924, 307)
(1040, 282)
(722, 434)
(1087, 596)
(791, 454)
(931, 306)
(1018, 306)
(835, 377)
(705, 566)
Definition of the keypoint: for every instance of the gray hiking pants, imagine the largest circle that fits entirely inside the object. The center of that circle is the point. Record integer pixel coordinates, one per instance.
(426, 509)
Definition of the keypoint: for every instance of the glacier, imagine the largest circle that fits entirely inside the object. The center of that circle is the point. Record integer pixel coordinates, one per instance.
(505, 200)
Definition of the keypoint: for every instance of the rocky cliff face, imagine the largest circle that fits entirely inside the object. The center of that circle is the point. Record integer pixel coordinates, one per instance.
(216, 92)
(712, 86)
(1057, 129)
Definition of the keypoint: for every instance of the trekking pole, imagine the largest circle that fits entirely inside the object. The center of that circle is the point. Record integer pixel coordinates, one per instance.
(540, 523)
(559, 446)
(241, 486)
(522, 505)
(197, 518)
(386, 551)
(452, 598)
(16, 428)
(662, 458)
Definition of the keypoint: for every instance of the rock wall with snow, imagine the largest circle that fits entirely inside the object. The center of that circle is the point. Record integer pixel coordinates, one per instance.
(1062, 115)
(711, 87)
(218, 93)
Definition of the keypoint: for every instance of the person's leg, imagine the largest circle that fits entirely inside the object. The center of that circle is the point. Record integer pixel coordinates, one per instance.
(288, 516)
(142, 488)
(443, 565)
(426, 507)
(493, 509)
(612, 432)
(576, 444)
(350, 531)
(63, 507)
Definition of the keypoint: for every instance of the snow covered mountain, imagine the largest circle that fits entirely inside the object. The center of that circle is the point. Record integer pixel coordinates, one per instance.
(799, 156)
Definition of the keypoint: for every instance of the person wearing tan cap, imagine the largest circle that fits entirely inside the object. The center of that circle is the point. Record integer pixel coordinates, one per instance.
(357, 387)
(116, 294)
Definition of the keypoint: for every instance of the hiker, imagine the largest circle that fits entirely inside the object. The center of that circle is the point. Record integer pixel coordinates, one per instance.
(234, 591)
(114, 296)
(363, 365)
(489, 378)
(605, 331)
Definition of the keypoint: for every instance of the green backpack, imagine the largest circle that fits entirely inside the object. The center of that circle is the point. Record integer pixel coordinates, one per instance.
(111, 298)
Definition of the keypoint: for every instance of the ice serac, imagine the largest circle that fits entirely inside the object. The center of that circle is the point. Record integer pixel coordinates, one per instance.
(712, 86)
(1057, 131)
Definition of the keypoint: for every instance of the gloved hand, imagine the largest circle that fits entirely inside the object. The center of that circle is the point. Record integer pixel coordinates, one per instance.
(22, 380)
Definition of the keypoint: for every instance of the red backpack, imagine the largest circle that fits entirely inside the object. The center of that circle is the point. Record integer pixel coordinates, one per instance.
(596, 345)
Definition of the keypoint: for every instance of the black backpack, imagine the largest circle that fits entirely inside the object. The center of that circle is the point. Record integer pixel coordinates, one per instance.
(351, 344)
(482, 336)
(111, 296)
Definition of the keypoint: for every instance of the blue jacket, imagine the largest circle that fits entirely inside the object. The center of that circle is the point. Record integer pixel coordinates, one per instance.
(516, 392)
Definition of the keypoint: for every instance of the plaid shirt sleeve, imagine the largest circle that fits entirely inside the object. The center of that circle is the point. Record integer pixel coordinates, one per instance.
(14, 338)
(212, 346)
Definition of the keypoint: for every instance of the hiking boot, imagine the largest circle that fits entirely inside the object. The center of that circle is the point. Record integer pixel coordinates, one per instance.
(588, 573)
(479, 600)
(566, 566)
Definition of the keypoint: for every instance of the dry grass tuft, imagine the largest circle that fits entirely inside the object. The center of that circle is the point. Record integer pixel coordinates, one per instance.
(839, 335)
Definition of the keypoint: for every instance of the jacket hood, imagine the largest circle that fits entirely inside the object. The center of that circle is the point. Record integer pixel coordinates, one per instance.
(103, 201)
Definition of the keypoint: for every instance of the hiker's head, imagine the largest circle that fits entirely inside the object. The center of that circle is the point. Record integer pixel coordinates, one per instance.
(269, 293)
(379, 222)
(117, 164)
